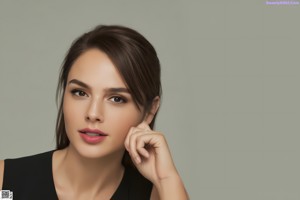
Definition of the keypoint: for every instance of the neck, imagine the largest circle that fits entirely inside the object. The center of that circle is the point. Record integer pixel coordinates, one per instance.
(90, 175)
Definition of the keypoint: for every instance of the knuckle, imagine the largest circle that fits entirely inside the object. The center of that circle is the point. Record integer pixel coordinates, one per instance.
(160, 134)
(140, 144)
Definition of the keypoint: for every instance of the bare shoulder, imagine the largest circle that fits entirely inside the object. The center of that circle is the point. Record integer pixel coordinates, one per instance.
(1, 173)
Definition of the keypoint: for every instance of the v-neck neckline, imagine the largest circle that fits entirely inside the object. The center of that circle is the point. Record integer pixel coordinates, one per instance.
(120, 191)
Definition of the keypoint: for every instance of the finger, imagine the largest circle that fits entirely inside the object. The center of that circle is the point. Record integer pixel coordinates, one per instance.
(150, 139)
(131, 131)
(155, 144)
(135, 151)
(142, 151)
(144, 126)
(132, 147)
(141, 146)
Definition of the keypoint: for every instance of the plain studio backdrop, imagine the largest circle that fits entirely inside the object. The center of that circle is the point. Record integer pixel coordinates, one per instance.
(230, 74)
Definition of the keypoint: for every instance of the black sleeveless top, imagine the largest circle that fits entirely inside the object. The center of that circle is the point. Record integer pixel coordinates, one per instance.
(31, 178)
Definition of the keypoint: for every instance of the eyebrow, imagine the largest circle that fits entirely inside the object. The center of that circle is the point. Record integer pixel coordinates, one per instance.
(80, 83)
(112, 90)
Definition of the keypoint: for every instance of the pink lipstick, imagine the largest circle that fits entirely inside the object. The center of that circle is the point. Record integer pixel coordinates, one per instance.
(92, 136)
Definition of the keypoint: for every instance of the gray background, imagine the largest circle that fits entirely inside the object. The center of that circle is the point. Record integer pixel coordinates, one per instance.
(230, 77)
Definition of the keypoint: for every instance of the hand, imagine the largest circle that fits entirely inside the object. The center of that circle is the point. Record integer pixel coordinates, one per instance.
(150, 153)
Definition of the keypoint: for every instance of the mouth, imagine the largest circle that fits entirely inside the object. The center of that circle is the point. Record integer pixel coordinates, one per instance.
(92, 136)
(92, 132)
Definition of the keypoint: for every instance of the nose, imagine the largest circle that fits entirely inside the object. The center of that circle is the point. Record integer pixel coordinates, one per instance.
(94, 112)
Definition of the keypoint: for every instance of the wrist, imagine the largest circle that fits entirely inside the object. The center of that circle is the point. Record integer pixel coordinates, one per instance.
(171, 188)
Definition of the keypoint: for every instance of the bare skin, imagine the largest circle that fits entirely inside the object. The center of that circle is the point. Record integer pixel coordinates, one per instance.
(1, 173)
(155, 162)
(85, 171)
(77, 178)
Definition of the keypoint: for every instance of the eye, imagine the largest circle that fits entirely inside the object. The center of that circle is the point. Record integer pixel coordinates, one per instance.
(78, 93)
(117, 99)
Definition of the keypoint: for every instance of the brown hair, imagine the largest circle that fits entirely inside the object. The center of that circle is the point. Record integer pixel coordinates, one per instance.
(133, 56)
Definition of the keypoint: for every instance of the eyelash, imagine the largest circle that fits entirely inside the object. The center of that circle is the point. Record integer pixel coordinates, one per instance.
(77, 93)
(124, 100)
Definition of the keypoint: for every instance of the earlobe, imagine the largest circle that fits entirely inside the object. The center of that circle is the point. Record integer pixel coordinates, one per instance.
(154, 108)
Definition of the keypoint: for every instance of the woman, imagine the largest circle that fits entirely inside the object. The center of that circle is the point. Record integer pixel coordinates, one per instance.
(110, 93)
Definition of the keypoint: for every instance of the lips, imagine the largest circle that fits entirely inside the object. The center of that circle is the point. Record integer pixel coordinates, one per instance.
(92, 136)
(92, 132)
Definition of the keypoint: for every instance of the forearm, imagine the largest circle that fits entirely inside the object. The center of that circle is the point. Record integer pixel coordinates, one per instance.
(171, 188)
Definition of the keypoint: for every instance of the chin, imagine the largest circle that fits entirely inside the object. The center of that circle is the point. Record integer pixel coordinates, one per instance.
(98, 152)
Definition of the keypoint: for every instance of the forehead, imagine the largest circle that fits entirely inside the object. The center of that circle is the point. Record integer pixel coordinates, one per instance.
(96, 69)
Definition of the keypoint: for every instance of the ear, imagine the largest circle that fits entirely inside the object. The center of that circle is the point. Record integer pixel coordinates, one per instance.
(154, 108)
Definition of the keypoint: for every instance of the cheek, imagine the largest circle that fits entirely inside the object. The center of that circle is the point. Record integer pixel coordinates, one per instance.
(117, 120)
(71, 112)
(67, 114)
(123, 119)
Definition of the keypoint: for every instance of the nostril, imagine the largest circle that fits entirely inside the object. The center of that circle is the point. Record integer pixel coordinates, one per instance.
(91, 118)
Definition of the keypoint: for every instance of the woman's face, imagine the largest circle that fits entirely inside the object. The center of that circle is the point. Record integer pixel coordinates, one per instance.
(96, 100)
